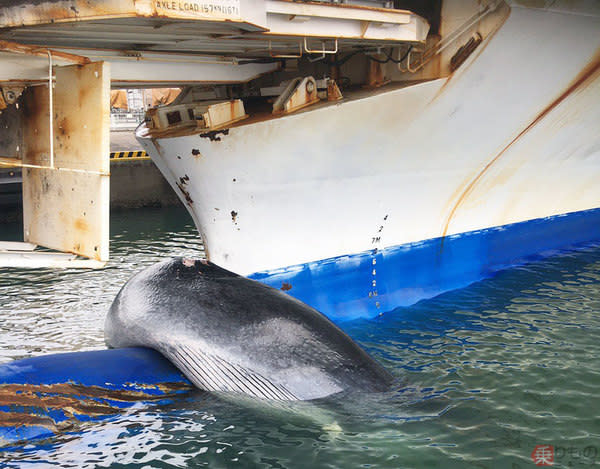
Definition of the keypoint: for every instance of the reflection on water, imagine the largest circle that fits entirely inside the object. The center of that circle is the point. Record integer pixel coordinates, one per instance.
(50, 311)
(484, 374)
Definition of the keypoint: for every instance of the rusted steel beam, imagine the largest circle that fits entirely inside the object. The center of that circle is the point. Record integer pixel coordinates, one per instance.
(41, 52)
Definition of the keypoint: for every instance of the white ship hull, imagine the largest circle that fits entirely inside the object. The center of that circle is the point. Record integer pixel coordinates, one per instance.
(512, 136)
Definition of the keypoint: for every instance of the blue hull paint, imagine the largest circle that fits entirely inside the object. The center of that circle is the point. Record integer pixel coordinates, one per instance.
(373, 282)
(138, 369)
(35, 392)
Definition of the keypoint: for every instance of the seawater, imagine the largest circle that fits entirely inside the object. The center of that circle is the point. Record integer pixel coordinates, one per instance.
(484, 374)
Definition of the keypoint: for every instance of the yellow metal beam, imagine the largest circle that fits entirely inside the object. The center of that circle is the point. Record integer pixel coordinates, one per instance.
(41, 52)
(18, 163)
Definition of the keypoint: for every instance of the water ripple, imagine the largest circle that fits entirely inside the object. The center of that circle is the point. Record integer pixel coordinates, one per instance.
(483, 374)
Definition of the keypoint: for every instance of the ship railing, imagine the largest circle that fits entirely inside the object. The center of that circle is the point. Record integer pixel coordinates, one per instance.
(308, 50)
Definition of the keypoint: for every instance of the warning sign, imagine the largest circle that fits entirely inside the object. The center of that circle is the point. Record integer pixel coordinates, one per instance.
(218, 9)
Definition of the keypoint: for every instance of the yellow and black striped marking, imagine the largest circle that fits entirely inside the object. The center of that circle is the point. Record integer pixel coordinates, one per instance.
(122, 155)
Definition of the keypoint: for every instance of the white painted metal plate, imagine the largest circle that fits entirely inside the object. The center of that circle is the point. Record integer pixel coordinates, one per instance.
(19, 67)
(16, 246)
(147, 69)
(42, 260)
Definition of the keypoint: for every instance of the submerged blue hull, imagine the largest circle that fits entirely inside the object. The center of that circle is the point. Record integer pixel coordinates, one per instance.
(373, 282)
(44, 395)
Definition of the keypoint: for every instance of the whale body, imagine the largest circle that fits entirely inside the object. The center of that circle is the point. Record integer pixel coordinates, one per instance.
(230, 334)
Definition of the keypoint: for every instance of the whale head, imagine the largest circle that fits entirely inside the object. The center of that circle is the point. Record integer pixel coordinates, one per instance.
(230, 334)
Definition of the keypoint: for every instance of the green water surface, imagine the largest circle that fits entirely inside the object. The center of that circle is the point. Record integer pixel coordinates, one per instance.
(484, 374)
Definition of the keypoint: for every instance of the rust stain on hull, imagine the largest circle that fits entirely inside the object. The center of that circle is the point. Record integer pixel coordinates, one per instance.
(28, 404)
(16, 419)
(181, 185)
(504, 13)
(213, 135)
(588, 73)
(185, 193)
(81, 225)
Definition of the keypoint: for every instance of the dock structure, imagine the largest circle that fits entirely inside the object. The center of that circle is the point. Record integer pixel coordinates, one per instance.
(59, 60)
